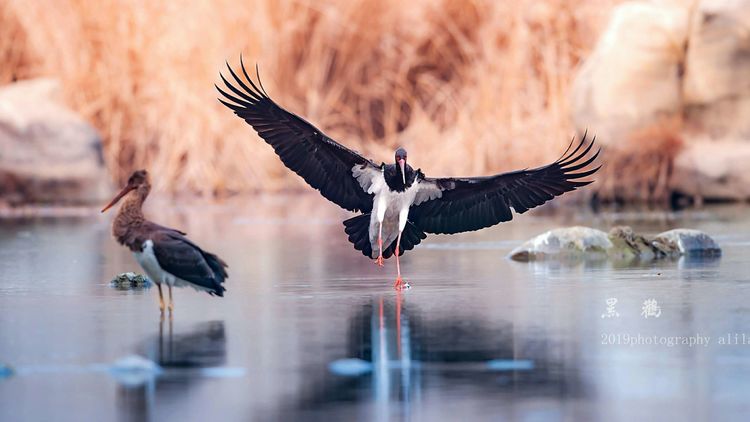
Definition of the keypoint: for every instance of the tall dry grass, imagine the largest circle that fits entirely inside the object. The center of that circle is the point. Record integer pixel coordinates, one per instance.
(469, 87)
(644, 158)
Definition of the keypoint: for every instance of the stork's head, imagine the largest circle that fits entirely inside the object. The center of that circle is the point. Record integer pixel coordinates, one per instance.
(139, 181)
(401, 162)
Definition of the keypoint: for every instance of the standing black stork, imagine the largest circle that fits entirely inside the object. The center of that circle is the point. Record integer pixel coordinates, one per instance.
(165, 254)
(398, 204)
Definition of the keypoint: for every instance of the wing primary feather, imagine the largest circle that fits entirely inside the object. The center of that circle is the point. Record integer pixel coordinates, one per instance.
(239, 92)
(579, 156)
(584, 174)
(570, 145)
(233, 98)
(250, 80)
(257, 74)
(584, 164)
(234, 107)
(244, 72)
(575, 151)
(242, 84)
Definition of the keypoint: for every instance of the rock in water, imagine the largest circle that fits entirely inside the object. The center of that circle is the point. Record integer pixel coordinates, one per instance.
(130, 280)
(568, 242)
(48, 153)
(686, 242)
(620, 244)
(628, 245)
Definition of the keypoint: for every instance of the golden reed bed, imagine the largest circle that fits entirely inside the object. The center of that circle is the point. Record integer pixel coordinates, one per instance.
(470, 87)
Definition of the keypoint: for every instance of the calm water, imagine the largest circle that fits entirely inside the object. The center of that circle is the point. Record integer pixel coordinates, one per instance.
(311, 329)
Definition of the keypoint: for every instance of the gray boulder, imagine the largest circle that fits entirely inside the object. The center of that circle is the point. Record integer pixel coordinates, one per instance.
(48, 153)
(568, 242)
(686, 242)
(621, 244)
(628, 245)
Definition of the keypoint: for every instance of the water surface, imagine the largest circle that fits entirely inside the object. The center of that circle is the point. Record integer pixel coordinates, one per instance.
(310, 328)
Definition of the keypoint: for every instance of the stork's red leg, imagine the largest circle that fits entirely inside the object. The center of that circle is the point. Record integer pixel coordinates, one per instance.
(379, 260)
(400, 283)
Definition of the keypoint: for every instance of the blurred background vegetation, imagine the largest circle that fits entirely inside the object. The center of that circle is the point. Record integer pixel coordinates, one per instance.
(469, 87)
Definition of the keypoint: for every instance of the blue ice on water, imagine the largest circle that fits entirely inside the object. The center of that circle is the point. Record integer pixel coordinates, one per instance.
(510, 365)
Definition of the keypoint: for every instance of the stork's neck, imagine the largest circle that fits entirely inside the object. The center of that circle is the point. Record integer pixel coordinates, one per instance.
(395, 181)
(130, 219)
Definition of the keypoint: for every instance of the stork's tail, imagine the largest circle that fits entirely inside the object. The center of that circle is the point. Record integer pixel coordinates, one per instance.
(218, 266)
(358, 229)
(410, 237)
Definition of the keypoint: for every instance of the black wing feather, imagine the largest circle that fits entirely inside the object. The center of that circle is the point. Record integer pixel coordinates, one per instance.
(473, 203)
(322, 162)
(185, 260)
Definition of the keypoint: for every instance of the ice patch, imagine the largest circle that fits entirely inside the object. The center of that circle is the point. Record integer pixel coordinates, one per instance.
(5, 371)
(223, 372)
(350, 367)
(510, 365)
(134, 370)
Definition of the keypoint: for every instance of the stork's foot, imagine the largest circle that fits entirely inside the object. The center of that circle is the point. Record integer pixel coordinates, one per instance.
(379, 261)
(400, 284)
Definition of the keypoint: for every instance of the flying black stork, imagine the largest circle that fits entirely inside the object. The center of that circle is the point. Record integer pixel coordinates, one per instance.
(398, 204)
(165, 254)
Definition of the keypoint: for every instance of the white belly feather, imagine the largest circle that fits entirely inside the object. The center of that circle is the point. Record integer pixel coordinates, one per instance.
(391, 209)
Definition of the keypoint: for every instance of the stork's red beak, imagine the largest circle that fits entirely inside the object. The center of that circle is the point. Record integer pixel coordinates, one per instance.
(119, 196)
(402, 163)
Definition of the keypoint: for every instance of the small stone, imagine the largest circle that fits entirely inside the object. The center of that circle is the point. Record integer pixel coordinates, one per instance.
(130, 280)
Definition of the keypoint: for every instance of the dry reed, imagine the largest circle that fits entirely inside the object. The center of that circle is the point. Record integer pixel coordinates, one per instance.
(644, 159)
(469, 87)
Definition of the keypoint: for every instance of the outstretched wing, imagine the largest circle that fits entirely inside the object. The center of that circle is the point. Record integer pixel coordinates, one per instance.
(473, 203)
(322, 162)
(185, 260)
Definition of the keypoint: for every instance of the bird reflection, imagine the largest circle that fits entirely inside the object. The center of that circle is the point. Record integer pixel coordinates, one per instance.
(396, 354)
(203, 346)
(179, 355)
